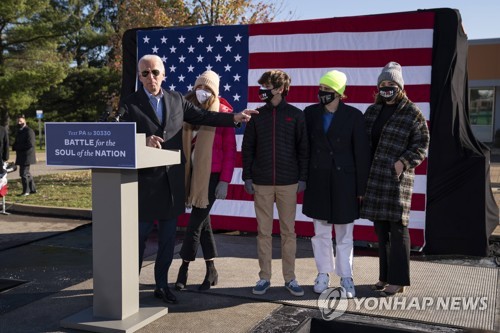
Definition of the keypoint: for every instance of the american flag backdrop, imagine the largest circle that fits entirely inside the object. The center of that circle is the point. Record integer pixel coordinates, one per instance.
(358, 46)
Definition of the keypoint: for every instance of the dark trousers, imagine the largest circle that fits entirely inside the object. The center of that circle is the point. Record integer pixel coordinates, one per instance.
(199, 230)
(166, 244)
(393, 252)
(26, 179)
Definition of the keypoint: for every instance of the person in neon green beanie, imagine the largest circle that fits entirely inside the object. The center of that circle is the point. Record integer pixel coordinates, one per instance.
(339, 164)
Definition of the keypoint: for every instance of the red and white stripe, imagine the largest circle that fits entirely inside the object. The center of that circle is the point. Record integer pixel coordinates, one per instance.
(358, 46)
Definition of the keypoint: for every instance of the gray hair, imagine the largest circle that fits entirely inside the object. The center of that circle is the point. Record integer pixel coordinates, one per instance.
(152, 58)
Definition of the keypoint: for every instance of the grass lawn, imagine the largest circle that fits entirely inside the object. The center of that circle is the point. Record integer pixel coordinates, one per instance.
(63, 189)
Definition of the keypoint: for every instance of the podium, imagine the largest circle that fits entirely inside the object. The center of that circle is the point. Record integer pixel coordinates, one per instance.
(115, 217)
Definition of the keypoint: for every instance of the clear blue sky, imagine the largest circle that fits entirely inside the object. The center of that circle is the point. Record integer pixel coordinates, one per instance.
(480, 18)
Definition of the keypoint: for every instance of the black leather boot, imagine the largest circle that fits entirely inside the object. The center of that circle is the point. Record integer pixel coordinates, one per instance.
(211, 278)
(182, 276)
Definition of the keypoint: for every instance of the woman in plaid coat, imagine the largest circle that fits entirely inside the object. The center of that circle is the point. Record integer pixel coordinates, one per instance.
(399, 139)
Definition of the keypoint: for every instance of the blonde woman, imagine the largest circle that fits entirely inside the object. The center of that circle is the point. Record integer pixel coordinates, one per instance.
(210, 154)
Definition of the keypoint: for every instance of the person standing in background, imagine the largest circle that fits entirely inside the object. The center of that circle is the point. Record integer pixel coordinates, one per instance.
(339, 163)
(24, 146)
(4, 146)
(211, 156)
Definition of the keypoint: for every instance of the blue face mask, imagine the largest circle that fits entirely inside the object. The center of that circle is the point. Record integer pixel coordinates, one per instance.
(388, 93)
(266, 95)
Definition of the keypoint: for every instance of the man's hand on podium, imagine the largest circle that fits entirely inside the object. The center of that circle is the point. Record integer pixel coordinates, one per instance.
(154, 141)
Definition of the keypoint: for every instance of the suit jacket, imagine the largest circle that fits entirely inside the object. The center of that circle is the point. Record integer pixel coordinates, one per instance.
(338, 165)
(4, 145)
(161, 189)
(24, 146)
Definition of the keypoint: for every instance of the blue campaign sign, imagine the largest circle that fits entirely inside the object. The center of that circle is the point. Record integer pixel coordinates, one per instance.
(91, 145)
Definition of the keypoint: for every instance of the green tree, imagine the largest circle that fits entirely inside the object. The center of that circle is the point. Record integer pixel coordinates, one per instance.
(83, 95)
(87, 32)
(29, 59)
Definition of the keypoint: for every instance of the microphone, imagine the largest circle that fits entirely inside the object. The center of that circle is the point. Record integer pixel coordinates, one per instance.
(116, 116)
(112, 117)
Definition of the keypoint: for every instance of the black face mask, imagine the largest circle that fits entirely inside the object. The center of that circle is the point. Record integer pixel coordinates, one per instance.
(388, 93)
(326, 97)
(266, 95)
(20, 125)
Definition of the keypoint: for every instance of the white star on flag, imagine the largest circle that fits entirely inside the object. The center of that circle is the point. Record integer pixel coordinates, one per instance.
(190, 61)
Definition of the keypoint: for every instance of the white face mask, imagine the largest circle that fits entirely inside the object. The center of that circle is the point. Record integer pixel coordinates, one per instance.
(202, 96)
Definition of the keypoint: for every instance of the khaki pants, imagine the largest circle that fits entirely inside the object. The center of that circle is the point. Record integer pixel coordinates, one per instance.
(286, 203)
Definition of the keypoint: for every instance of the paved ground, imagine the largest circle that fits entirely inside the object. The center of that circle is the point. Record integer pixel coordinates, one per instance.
(51, 261)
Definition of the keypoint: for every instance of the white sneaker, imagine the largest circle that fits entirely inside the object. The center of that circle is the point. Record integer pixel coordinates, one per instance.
(348, 285)
(321, 283)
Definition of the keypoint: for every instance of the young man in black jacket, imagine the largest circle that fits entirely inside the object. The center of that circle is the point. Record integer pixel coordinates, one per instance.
(275, 159)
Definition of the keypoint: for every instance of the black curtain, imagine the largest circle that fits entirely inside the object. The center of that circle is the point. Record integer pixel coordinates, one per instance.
(129, 61)
(461, 211)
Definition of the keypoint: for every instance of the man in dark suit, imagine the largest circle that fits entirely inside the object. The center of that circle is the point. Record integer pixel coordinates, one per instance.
(160, 114)
(4, 146)
(24, 146)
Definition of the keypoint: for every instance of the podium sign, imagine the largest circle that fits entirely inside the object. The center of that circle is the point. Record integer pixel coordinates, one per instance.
(114, 152)
(92, 145)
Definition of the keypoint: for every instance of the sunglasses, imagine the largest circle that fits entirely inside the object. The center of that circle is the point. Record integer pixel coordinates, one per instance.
(154, 71)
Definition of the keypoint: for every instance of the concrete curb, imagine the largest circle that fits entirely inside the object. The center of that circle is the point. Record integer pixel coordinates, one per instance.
(78, 213)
